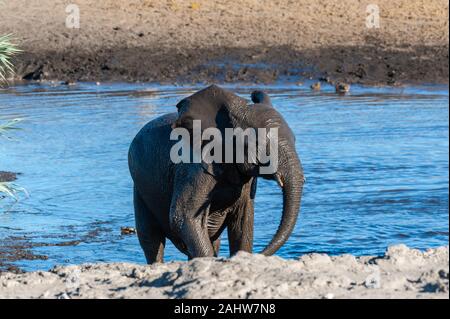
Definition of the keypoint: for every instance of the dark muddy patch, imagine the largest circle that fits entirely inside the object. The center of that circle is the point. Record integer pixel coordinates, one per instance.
(15, 248)
(19, 248)
(7, 176)
(373, 63)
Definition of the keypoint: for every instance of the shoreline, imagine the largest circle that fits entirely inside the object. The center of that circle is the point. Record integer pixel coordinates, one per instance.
(401, 273)
(176, 41)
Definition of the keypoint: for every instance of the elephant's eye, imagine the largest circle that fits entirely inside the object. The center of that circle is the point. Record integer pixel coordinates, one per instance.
(183, 104)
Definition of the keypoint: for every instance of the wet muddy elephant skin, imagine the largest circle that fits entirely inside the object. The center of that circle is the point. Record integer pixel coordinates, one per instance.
(192, 203)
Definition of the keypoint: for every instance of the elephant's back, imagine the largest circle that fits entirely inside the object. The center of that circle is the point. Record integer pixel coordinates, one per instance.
(163, 122)
(149, 156)
(154, 133)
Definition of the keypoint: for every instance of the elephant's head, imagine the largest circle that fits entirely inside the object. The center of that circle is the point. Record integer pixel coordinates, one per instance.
(218, 108)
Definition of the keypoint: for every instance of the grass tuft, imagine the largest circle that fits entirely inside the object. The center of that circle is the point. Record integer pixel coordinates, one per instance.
(11, 190)
(8, 126)
(7, 51)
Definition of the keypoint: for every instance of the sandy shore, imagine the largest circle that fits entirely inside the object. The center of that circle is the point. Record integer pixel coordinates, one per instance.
(248, 41)
(400, 273)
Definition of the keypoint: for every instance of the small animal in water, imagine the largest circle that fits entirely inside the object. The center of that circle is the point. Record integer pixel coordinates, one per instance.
(315, 86)
(342, 87)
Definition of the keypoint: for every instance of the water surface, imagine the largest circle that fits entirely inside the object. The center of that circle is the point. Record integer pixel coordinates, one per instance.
(376, 163)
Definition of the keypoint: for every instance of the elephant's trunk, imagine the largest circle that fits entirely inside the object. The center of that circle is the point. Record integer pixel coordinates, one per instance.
(291, 177)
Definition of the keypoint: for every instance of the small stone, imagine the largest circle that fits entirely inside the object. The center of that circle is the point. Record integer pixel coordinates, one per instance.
(127, 230)
(373, 281)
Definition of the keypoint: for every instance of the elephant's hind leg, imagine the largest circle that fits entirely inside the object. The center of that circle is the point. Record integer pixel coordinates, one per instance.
(150, 236)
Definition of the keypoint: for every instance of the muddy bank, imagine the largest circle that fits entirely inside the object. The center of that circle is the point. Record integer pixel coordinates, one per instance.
(19, 248)
(7, 176)
(253, 41)
(400, 273)
(15, 248)
(365, 65)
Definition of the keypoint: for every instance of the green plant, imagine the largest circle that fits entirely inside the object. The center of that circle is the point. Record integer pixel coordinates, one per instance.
(11, 190)
(7, 51)
(8, 188)
(8, 126)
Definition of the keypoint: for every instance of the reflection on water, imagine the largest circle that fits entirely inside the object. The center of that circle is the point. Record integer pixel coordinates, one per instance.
(376, 163)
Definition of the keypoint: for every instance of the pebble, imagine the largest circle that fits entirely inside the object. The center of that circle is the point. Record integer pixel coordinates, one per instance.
(127, 230)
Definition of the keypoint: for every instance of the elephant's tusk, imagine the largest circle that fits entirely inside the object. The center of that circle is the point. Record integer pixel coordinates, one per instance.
(278, 179)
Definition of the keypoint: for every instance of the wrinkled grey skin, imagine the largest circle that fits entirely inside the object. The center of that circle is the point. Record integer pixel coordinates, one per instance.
(192, 203)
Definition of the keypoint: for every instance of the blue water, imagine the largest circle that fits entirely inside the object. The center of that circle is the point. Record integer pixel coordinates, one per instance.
(376, 163)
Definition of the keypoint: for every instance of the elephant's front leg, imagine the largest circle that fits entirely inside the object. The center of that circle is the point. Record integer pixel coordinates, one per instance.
(197, 240)
(189, 211)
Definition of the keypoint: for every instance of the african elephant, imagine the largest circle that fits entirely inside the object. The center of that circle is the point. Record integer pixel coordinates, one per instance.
(192, 203)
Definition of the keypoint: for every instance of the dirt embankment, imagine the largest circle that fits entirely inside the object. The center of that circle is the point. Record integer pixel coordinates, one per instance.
(400, 273)
(249, 40)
